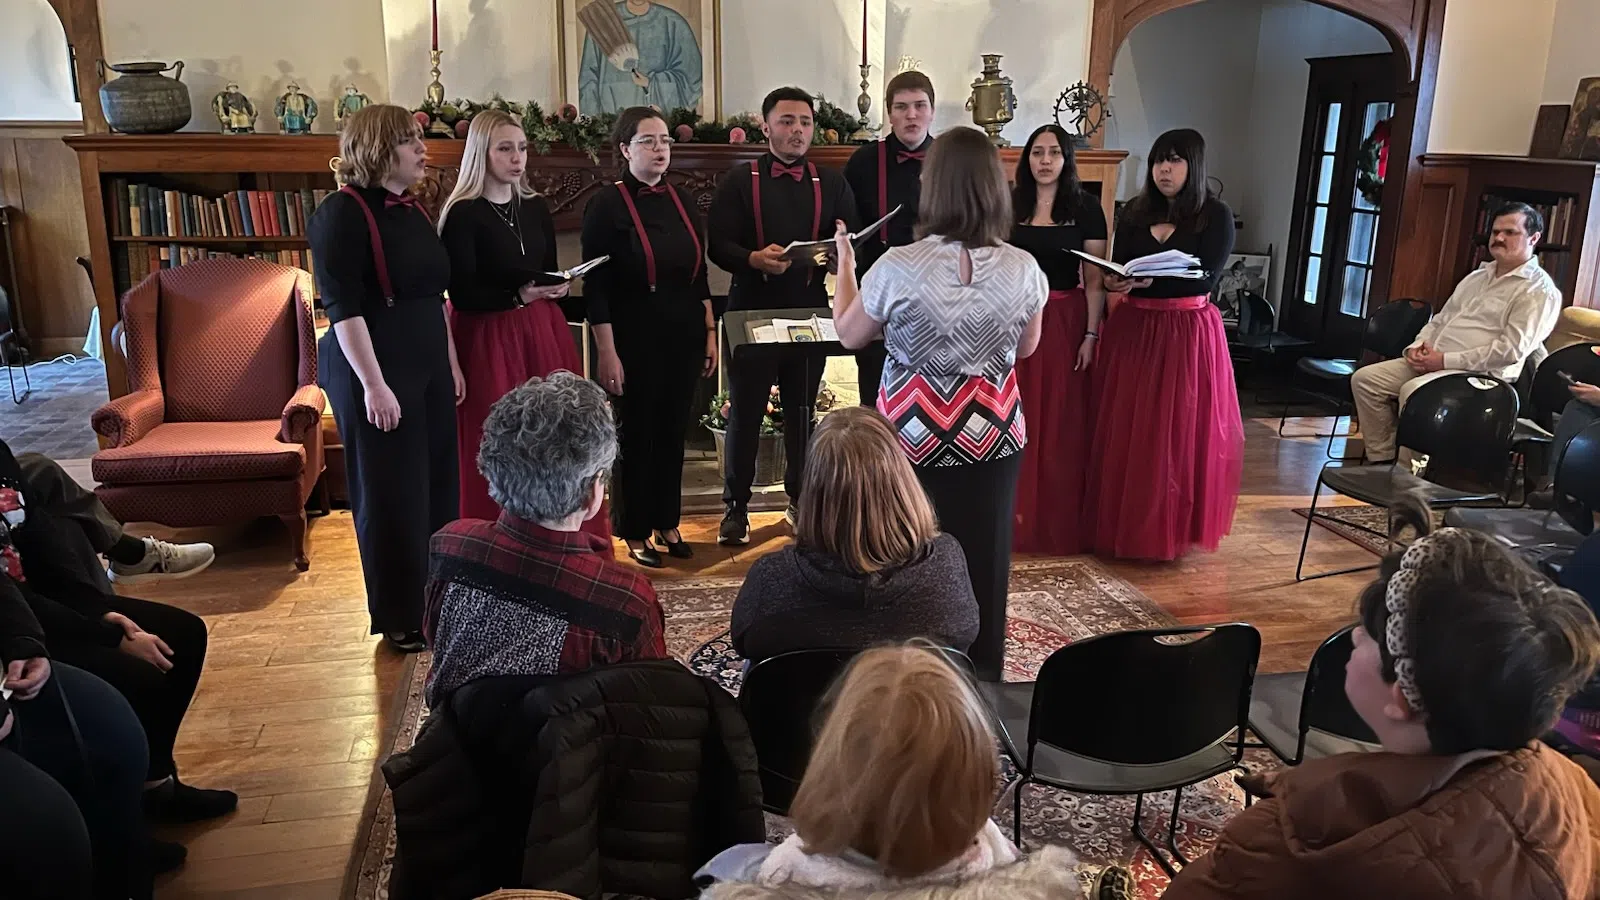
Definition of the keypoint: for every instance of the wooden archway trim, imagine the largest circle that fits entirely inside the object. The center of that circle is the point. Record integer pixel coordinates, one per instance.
(81, 21)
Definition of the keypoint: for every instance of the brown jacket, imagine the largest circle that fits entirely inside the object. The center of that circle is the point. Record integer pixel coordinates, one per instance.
(1507, 826)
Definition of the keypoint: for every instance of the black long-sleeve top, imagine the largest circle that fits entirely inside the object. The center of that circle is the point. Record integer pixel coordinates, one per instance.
(786, 212)
(904, 189)
(1051, 245)
(487, 262)
(1211, 240)
(347, 277)
(620, 289)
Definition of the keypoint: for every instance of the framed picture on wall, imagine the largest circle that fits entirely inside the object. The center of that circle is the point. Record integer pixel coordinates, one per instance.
(1244, 273)
(621, 53)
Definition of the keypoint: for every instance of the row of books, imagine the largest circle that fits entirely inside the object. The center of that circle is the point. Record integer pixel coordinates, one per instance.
(1559, 217)
(147, 211)
(134, 262)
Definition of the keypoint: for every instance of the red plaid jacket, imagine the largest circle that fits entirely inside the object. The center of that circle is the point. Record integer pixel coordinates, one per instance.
(511, 597)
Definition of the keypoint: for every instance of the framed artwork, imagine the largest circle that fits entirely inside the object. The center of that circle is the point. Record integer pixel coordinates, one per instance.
(1245, 272)
(621, 53)
(1549, 127)
(1582, 140)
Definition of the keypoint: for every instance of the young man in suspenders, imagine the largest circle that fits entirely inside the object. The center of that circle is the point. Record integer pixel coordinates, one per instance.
(760, 208)
(885, 174)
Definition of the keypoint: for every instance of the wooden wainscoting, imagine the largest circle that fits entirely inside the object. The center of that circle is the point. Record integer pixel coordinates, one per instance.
(39, 182)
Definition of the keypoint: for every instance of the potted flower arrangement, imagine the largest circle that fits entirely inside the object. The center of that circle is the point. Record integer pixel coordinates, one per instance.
(771, 458)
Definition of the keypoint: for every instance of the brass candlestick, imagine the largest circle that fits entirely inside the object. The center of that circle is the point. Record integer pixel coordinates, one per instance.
(435, 92)
(864, 103)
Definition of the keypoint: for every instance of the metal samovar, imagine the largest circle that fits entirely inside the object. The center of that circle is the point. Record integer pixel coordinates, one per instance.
(992, 102)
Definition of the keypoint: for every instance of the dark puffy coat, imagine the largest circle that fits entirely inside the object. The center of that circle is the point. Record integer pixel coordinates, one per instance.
(623, 779)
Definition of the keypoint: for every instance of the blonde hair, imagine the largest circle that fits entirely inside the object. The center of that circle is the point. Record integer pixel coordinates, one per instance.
(863, 503)
(475, 160)
(965, 194)
(905, 767)
(366, 146)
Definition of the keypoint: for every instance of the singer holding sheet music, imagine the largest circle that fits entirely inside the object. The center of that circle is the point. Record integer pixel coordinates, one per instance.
(1056, 216)
(650, 307)
(1168, 440)
(760, 208)
(508, 329)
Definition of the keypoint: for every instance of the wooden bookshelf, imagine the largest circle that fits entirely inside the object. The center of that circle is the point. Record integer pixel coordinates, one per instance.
(211, 165)
(1460, 191)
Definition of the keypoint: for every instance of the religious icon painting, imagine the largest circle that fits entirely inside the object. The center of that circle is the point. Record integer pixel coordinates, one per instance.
(661, 53)
(1582, 140)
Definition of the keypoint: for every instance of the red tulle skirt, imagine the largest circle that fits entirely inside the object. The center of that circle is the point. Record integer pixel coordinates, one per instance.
(1168, 439)
(499, 351)
(1056, 405)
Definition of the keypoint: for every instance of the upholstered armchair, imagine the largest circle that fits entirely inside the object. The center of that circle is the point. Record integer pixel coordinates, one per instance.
(222, 422)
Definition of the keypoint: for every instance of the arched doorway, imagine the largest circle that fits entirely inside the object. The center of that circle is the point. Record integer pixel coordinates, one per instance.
(1414, 29)
(81, 21)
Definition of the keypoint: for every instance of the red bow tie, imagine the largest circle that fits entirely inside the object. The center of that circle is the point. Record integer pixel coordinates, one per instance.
(904, 155)
(403, 200)
(653, 189)
(796, 172)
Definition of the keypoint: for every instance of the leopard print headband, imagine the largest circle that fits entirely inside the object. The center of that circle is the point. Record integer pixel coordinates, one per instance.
(1423, 552)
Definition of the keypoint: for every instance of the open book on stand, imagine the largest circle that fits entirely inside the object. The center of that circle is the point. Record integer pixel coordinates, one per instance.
(820, 253)
(551, 279)
(792, 331)
(1166, 264)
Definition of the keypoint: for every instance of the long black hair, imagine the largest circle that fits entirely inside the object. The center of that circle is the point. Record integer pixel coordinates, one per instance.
(1187, 209)
(1069, 189)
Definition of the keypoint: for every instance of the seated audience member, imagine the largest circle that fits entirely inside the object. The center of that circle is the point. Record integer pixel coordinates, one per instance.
(898, 793)
(72, 825)
(531, 593)
(1464, 657)
(1494, 319)
(1580, 412)
(133, 560)
(869, 564)
(150, 652)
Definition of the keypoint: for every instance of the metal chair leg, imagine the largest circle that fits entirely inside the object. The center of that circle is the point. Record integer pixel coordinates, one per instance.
(27, 382)
(1138, 833)
(1016, 813)
(1172, 829)
(1311, 517)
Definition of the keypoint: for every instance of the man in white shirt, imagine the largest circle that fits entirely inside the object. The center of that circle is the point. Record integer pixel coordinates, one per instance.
(1494, 319)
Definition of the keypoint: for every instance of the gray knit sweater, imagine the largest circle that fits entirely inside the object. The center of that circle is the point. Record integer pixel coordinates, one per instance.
(798, 599)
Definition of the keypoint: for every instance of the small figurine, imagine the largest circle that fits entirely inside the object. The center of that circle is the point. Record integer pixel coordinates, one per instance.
(234, 110)
(352, 101)
(295, 111)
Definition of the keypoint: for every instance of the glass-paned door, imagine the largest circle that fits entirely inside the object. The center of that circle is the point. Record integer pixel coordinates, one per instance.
(1356, 282)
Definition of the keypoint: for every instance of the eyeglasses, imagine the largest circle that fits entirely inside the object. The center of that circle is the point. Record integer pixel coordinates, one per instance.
(654, 142)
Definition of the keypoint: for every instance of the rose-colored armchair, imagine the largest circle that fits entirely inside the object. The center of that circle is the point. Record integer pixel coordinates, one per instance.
(223, 419)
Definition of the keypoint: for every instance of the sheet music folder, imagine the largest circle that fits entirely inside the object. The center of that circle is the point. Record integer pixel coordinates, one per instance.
(737, 327)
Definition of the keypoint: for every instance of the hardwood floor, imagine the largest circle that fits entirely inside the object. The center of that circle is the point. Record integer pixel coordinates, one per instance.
(296, 693)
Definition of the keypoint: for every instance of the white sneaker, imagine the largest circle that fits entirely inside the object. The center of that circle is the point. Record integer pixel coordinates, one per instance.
(164, 561)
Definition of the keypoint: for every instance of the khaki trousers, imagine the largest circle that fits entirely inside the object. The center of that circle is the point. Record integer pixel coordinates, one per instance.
(1380, 390)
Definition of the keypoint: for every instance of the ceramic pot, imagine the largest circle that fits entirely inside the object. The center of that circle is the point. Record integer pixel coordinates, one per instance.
(142, 100)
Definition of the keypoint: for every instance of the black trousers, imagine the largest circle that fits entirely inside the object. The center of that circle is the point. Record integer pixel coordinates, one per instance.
(74, 821)
(49, 486)
(869, 372)
(751, 374)
(62, 564)
(403, 484)
(975, 504)
(662, 361)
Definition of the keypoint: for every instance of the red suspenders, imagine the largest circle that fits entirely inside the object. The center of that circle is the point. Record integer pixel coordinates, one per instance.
(816, 205)
(379, 261)
(883, 189)
(644, 239)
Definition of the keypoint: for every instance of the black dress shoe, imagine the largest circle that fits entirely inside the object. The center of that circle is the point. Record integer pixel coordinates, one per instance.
(166, 856)
(176, 803)
(678, 549)
(406, 641)
(646, 556)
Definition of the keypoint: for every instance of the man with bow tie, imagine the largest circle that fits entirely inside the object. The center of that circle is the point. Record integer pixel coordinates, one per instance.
(884, 174)
(760, 207)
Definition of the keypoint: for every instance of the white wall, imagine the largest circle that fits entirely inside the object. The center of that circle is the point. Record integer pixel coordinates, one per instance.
(323, 44)
(1574, 35)
(35, 71)
(505, 47)
(1292, 31)
(1492, 73)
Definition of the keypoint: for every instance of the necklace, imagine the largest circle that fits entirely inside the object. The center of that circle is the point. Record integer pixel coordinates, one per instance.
(509, 216)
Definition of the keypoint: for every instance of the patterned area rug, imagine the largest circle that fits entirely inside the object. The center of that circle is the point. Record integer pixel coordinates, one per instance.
(1052, 603)
(1360, 525)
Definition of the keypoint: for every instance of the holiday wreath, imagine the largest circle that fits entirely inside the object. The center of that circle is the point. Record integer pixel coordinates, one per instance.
(1372, 163)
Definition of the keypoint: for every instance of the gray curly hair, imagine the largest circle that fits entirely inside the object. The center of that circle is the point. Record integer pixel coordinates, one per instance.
(544, 444)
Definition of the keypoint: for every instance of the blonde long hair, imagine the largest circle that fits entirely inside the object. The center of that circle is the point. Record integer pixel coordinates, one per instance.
(475, 161)
(904, 768)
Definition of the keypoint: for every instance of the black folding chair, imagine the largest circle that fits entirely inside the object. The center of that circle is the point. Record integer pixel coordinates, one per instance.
(1388, 332)
(779, 699)
(1306, 715)
(1557, 531)
(1131, 713)
(12, 355)
(1463, 423)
